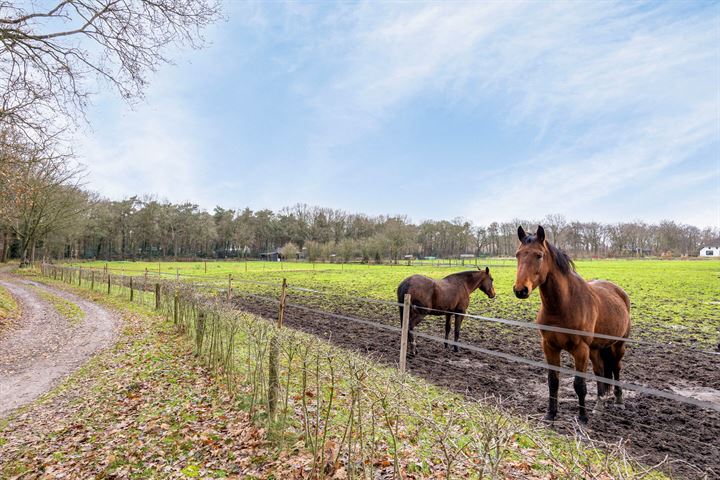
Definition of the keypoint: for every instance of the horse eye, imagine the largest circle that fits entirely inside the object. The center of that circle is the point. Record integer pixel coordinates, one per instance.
(539, 256)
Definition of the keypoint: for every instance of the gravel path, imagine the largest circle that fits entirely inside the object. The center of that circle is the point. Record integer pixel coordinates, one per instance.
(44, 347)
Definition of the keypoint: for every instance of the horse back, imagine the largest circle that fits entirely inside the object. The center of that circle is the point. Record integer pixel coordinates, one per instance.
(420, 288)
(613, 307)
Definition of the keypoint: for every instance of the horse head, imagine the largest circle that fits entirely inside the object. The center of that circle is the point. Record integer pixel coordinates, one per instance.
(533, 266)
(486, 282)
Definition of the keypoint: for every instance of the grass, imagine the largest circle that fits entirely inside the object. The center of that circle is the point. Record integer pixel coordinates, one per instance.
(9, 309)
(67, 309)
(152, 411)
(678, 299)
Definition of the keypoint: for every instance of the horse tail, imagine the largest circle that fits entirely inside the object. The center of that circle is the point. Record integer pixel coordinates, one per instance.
(608, 358)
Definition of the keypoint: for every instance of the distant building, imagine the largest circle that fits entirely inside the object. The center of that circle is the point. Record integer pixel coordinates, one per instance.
(710, 252)
(273, 256)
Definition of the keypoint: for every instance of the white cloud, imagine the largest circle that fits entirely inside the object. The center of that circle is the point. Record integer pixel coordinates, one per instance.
(617, 93)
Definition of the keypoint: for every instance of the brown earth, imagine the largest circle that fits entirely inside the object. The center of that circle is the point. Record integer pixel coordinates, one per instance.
(652, 428)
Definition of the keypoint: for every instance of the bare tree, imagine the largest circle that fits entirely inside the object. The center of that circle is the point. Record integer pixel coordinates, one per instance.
(49, 54)
(40, 192)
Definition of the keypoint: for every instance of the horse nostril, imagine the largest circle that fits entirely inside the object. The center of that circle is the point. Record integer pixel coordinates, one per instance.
(521, 293)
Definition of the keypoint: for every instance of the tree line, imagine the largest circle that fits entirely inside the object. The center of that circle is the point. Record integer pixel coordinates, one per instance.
(54, 55)
(59, 219)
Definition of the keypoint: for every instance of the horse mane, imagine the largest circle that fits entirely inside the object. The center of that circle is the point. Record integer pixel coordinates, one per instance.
(562, 259)
(464, 274)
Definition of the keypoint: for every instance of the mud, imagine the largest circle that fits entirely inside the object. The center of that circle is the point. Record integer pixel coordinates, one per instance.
(652, 428)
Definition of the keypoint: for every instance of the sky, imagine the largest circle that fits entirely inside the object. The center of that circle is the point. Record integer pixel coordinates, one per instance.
(488, 111)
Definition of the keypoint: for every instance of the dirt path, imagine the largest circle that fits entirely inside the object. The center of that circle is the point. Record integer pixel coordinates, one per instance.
(44, 347)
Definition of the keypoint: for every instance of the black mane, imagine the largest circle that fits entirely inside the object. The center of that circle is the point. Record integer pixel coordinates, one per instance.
(562, 259)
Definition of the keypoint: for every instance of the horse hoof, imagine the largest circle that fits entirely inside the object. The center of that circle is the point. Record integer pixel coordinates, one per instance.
(549, 417)
(599, 407)
(620, 405)
(582, 419)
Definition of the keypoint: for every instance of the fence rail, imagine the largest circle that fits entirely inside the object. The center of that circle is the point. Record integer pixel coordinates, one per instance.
(67, 272)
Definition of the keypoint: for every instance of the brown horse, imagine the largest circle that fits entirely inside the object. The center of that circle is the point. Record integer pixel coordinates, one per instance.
(568, 301)
(449, 294)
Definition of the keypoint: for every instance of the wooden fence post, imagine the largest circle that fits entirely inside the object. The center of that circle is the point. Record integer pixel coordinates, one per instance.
(79, 276)
(176, 306)
(229, 289)
(92, 280)
(157, 296)
(283, 297)
(205, 267)
(274, 356)
(404, 334)
(142, 297)
(131, 289)
(108, 279)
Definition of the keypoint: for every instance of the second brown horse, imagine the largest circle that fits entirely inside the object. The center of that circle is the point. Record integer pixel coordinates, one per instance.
(570, 302)
(448, 296)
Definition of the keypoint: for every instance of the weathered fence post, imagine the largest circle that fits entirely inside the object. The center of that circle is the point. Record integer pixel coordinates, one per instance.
(229, 289)
(131, 289)
(79, 276)
(157, 296)
(108, 279)
(274, 356)
(283, 297)
(144, 287)
(176, 306)
(92, 280)
(404, 334)
(205, 267)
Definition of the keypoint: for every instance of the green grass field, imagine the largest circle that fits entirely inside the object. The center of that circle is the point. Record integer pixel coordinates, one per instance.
(679, 299)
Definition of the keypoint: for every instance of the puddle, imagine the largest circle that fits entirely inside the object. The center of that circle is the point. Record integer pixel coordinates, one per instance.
(705, 394)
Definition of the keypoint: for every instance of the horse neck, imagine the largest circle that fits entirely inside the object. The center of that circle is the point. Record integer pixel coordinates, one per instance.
(556, 291)
(473, 283)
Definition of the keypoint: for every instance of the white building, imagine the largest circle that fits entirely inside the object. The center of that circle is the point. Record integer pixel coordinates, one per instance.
(710, 252)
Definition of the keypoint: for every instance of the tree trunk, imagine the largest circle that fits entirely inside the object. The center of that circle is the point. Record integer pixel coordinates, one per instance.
(6, 238)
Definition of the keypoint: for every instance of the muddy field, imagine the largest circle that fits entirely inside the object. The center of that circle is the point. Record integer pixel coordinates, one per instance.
(652, 428)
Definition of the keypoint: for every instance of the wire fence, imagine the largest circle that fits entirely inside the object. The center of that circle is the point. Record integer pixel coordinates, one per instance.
(230, 280)
(144, 289)
(467, 346)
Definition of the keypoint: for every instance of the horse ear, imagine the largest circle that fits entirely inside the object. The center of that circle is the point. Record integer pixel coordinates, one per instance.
(540, 234)
(521, 233)
(487, 270)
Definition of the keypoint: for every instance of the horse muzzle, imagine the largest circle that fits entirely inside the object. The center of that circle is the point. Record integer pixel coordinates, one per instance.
(521, 293)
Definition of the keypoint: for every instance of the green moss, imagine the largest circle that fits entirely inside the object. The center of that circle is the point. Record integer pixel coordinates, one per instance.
(9, 309)
(67, 309)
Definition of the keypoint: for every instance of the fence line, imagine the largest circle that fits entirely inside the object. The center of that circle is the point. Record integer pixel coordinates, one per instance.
(527, 361)
(508, 357)
(516, 323)
(503, 355)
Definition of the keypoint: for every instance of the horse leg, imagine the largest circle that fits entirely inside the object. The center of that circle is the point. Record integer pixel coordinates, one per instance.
(447, 329)
(618, 352)
(580, 354)
(552, 356)
(458, 323)
(600, 369)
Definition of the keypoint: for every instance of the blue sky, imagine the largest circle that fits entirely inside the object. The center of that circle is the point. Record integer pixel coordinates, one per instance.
(489, 111)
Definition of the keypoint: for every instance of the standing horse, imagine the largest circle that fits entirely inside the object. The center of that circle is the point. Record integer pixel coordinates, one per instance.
(449, 294)
(568, 301)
